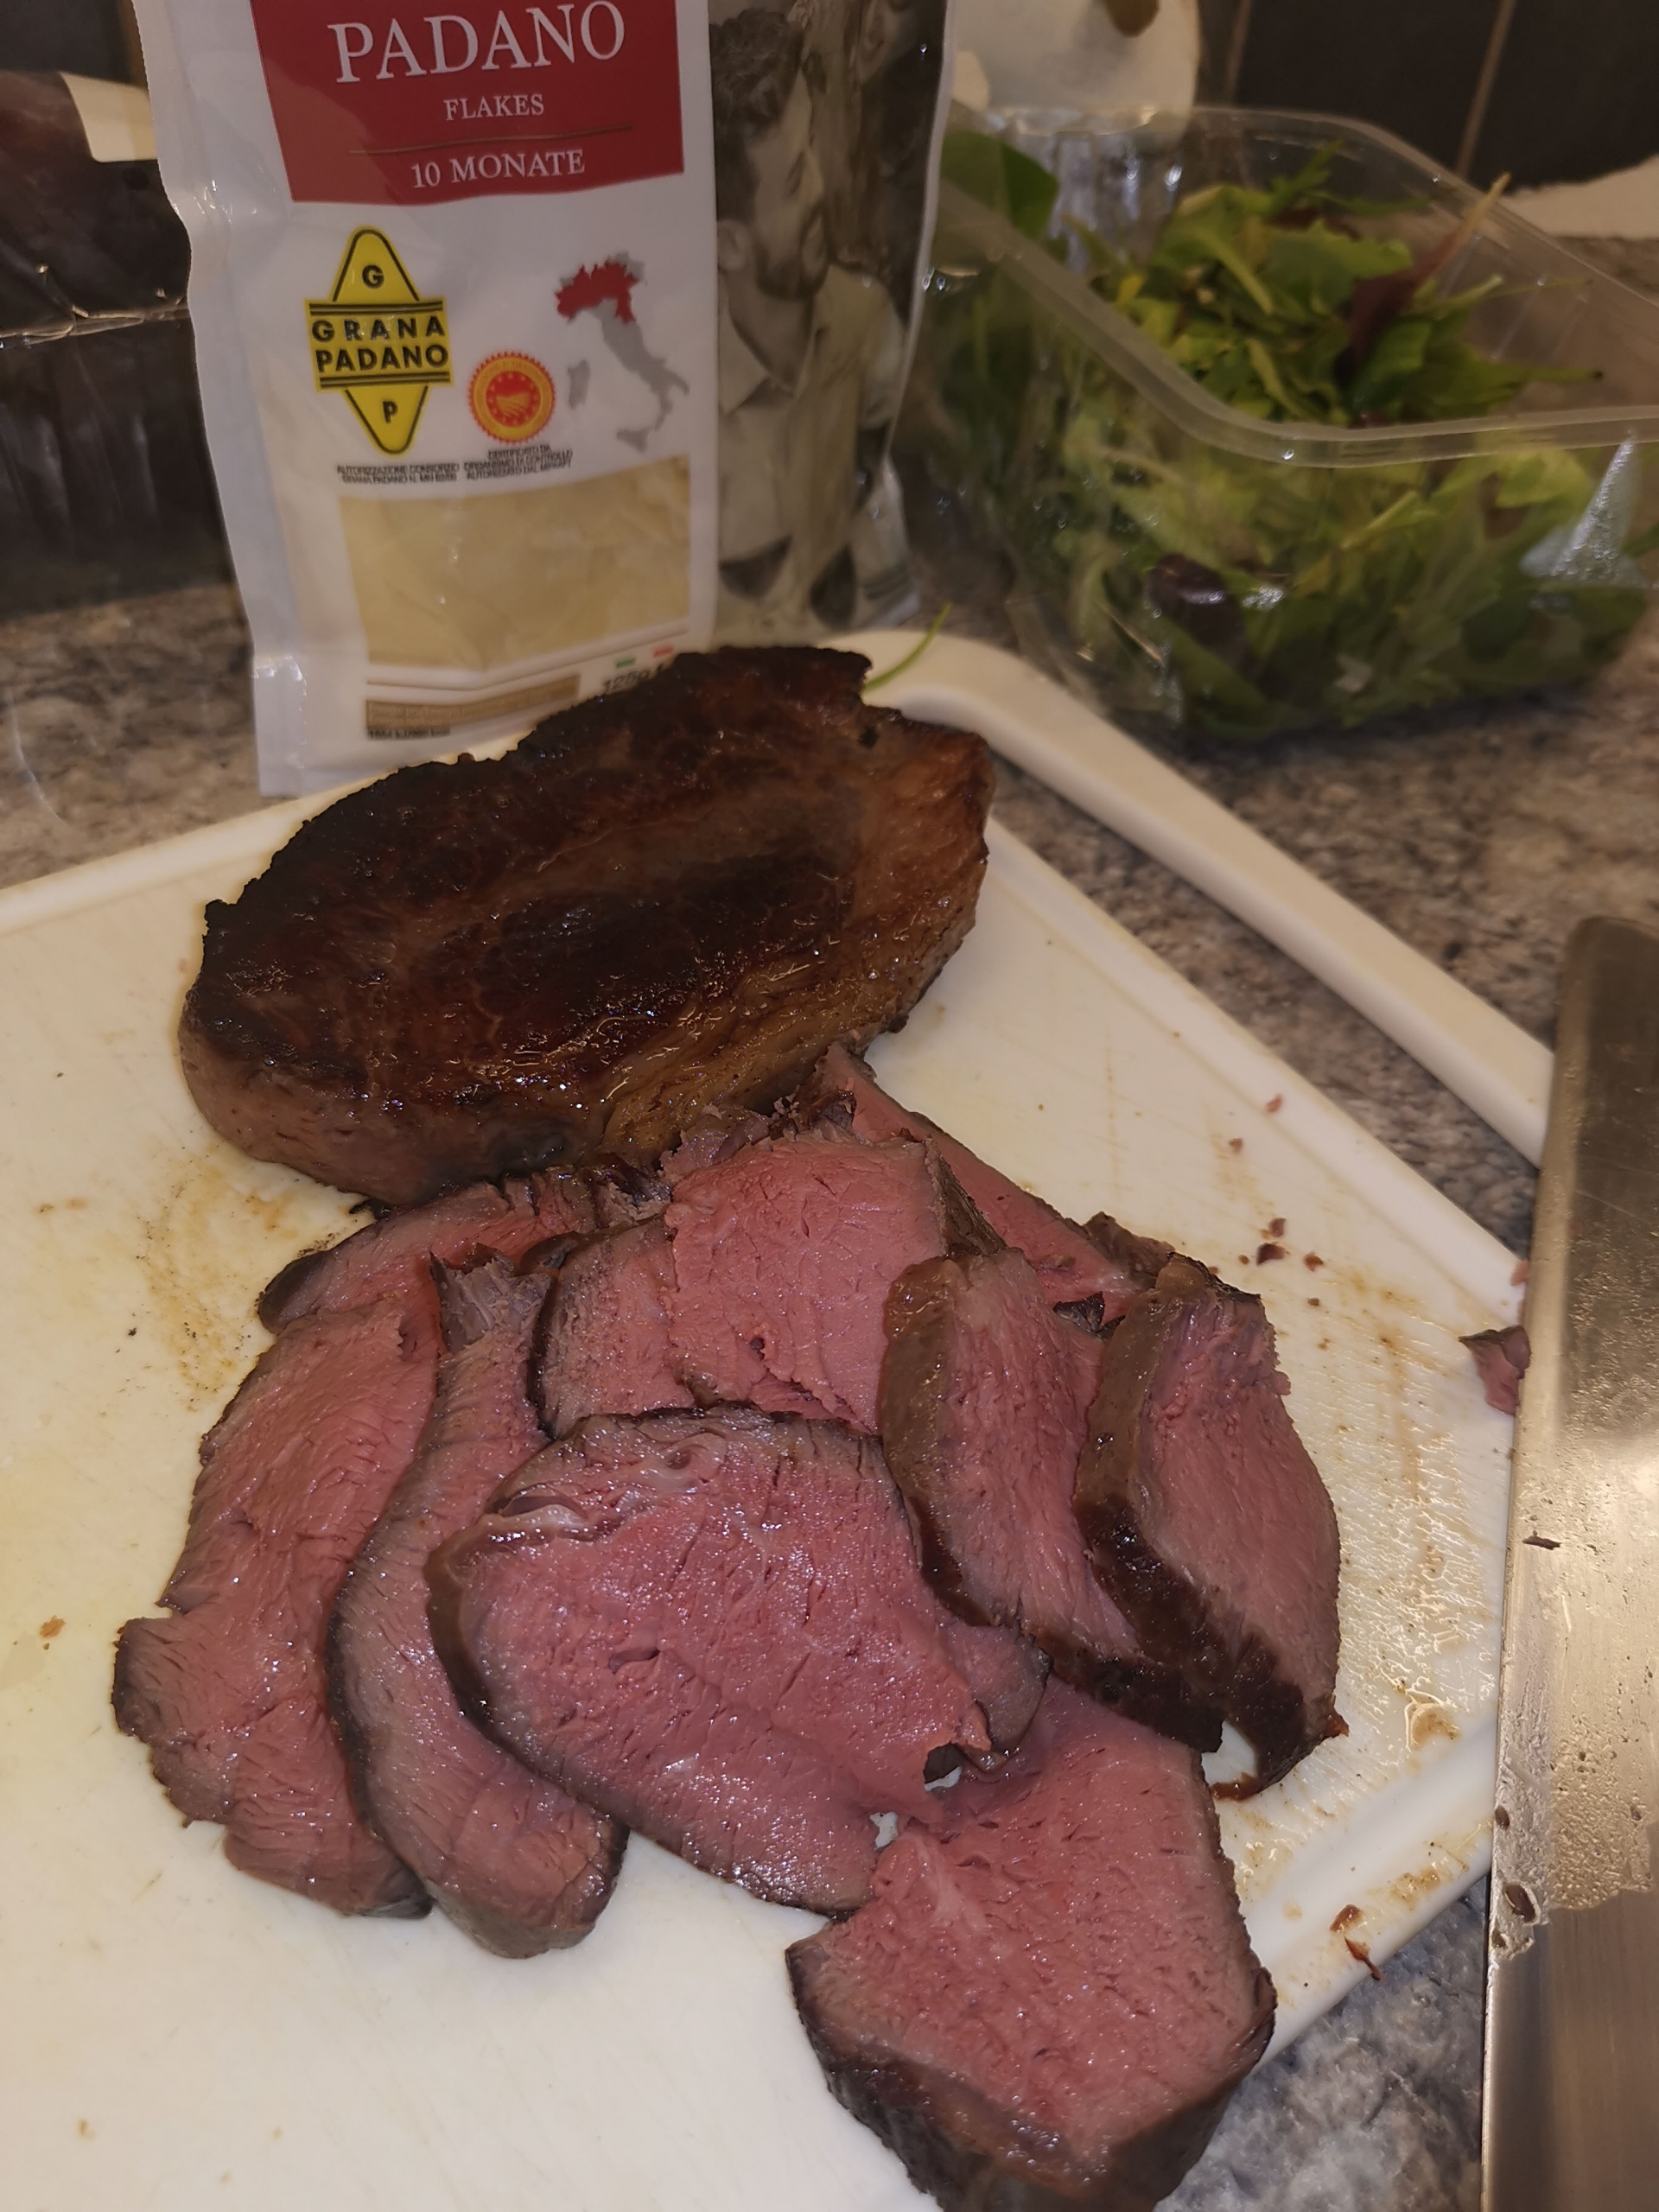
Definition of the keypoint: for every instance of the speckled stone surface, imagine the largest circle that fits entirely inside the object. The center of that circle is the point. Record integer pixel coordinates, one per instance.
(1479, 834)
(120, 725)
(1376, 2108)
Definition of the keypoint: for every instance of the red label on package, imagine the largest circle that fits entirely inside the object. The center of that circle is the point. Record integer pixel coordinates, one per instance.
(377, 103)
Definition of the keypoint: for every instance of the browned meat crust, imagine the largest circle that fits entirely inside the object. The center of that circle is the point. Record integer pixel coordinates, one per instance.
(679, 894)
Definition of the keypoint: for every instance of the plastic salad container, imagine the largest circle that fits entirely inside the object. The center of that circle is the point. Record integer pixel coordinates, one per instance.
(1238, 576)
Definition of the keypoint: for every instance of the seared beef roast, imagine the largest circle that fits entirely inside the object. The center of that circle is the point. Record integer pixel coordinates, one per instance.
(984, 1407)
(513, 1860)
(677, 894)
(1049, 2000)
(1205, 1518)
(229, 1694)
(713, 1627)
(1078, 1266)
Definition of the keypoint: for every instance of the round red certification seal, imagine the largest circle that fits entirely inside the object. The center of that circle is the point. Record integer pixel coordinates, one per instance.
(510, 396)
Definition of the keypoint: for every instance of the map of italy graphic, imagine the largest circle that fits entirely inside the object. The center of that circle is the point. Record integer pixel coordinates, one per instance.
(606, 292)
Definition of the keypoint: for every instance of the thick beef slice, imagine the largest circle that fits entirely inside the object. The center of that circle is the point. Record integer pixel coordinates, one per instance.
(782, 1259)
(606, 1349)
(1206, 1520)
(761, 1283)
(984, 1409)
(1048, 2000)
(713, 1626)
(230, 1693)
(512, 1859)
(1076, 1266)
(673, 895)
(394, 1256)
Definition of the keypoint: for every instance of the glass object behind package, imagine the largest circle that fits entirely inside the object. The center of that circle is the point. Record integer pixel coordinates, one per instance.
(1240, 577)
(104, 486)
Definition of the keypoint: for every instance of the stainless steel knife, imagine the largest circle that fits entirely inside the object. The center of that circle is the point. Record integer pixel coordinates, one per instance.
(1572, 2105)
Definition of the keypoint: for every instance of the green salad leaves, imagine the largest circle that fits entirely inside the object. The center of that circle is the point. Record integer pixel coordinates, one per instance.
(1242, 595)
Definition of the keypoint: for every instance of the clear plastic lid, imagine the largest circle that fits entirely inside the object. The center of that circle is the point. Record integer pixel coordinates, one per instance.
(1123, 177)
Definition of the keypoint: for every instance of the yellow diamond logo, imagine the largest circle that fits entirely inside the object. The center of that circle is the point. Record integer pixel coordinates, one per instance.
(375, 339)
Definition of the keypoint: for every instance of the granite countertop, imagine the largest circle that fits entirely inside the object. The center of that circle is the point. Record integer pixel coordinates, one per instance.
(1479, 834)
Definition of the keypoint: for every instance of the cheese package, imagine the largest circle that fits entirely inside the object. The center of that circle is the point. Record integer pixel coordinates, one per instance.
(533, 348)
(456, 332)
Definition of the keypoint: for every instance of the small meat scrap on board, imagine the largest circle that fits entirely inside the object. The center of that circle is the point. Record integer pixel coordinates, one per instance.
(512, 1859)
(1051, 1995)
(713, 1626)
(668, 897)
(1206, 1520)
(984, 1409)
(1502, 1357)
(229, 1692)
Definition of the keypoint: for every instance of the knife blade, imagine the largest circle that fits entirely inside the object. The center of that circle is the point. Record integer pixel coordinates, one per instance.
(1572, 2078)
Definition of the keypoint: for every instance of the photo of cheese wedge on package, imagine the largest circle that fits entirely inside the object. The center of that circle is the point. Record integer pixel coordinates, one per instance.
(455, 323)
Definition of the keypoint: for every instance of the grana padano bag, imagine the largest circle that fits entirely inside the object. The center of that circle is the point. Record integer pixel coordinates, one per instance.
(538, 343)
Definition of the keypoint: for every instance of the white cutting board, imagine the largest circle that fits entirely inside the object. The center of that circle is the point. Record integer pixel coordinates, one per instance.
(177, 2036)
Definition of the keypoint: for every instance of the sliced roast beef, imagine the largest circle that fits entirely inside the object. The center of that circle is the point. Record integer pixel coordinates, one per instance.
(782, 1259)
(672, 895)
(713, 1627)
(1206, 1520)
(1049, 1998)
(1103, 1267)
(394, 1256)
(761, 1284)
(512, 1859)
(606, 1349)
(230, 1693)
(984, 1408)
